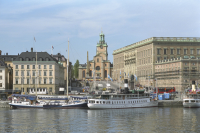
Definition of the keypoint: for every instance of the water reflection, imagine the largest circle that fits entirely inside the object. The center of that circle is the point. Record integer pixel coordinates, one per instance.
(111, 120)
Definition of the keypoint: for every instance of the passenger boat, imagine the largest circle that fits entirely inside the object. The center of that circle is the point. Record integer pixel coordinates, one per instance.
(117, 101)
(52, 102)
(125, 99)
(192, 98)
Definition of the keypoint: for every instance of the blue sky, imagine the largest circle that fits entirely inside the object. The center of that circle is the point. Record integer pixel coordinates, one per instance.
(125, 22)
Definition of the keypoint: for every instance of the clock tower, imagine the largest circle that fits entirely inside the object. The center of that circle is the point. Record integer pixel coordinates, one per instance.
(102, 47)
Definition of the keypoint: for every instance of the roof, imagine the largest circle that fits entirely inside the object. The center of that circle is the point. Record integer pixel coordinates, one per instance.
(32, 55)
(8, 57)
(2, 63)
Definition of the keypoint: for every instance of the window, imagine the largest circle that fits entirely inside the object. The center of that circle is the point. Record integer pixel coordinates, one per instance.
(47, 59)
(16, 73)
(22, 73)
(45, 73)
(185, 51)
(28, 67)
(0, 77)
(50, 89)
(28, 73)
(16, 81)
(45, 67)
(33, 66)
(158, 51)
(50, 73)
(39, 73)
(165, 51)
(0, 71)
(50, 81)
(50, 66)
(178, 51)
(172, 51)
(191, 51)
(165, 58)
(33, 81)
(158, 58)
(97, 59)
(33, 73)
(22, 66)
(98, 68)
(39, 66)
(45, 81)
(16, 66)
(27, 59)
(27, 81)
(198, 51)
(33, 59)
(0, 84)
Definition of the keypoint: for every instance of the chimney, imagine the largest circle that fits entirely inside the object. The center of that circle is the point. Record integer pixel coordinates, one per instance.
(0, 52)
(31, 49)
(6, 53)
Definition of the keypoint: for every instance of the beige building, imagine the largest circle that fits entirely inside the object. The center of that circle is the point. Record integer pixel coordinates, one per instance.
(141, 59)
(39, 70)
(100, 63)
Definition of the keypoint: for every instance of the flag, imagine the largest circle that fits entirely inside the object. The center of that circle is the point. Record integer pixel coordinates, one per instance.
(52, 47)
(34, 39)
(135, 77)
(108, 76)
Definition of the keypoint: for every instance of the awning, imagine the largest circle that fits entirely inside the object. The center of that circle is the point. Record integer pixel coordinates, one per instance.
(26, 96)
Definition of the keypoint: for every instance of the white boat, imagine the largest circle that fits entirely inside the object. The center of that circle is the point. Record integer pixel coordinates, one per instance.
(51, 102)
(191, 101)
(119, 101)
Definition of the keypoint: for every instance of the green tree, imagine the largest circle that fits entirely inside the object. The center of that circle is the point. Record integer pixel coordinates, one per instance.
(72, 71)
(76, 65)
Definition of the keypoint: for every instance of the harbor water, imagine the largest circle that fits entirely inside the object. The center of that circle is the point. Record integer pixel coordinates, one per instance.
(149, 120)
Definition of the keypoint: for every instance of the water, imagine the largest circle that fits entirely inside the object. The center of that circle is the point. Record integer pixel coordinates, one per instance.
(144, 120)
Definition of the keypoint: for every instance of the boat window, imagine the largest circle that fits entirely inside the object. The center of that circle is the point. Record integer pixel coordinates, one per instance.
(97, 101)
(108, 102)
(100, 102)
(192, 101)
(186, 101)
(124, 101)
(103, 102)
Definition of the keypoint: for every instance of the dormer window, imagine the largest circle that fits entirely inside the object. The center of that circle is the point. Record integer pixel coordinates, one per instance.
(20, 58)
(47, 59)
(40, 59)
(33, 58)
(27, 59)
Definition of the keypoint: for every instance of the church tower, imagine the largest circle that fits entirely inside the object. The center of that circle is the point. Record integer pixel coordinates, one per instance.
(102, 47)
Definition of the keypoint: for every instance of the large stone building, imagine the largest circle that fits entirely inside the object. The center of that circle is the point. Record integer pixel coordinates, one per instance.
(100, 63)
(147, 58)
(39, 70)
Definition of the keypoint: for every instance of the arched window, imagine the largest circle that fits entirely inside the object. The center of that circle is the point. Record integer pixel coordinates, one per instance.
(98, 68)
(90, 73)
(97, 59)
(83, 73)
(105, 73)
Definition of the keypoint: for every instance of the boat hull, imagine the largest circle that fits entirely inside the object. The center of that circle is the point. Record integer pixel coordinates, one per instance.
(67, 106)
(18, 106)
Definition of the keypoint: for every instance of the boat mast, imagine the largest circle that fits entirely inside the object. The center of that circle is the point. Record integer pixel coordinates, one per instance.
(67, 67)
(36, 73)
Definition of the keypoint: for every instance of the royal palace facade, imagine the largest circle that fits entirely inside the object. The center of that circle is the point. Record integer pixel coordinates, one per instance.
(165, 61)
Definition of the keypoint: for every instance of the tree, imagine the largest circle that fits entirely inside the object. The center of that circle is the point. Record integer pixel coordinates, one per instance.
(72, 71)
(76, 65)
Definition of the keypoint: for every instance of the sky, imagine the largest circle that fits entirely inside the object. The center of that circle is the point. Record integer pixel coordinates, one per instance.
(54, 22)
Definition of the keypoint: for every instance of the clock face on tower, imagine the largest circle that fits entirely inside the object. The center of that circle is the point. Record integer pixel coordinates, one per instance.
(101, 46)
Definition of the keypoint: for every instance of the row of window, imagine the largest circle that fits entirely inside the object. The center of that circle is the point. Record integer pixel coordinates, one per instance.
(145, 53)
(33, 66)
(33, 81)
(28, 73)
(117, 102)
(178, 51)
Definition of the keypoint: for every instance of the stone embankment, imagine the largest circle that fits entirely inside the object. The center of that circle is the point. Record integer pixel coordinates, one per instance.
(4, 104)
(170, 103)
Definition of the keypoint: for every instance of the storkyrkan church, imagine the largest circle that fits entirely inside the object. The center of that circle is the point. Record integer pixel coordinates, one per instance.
(100, 66)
